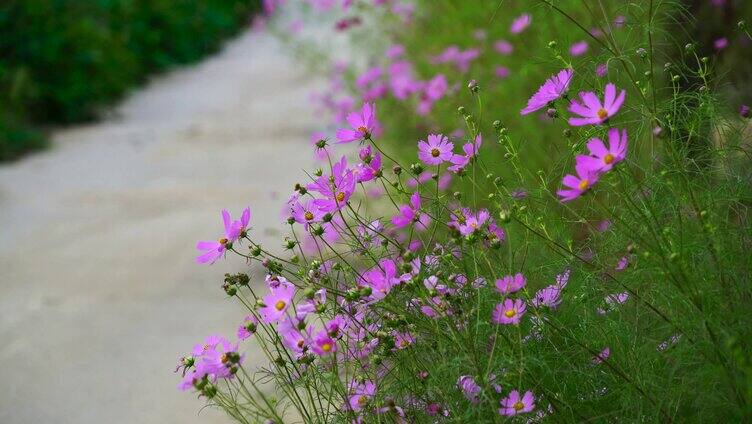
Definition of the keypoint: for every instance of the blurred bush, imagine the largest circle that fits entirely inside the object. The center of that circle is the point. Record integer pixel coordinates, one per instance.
(60, 60)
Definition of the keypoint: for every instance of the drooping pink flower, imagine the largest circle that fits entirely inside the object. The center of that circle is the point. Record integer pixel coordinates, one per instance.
(552, 89)
(520, 23)
(436, 151)
(469, 388)
(577, 186)
(503, 47)
(509, 312)
(247, 328)
(592, 111)
(579, 48)
(362, 123)
(213, 250)
(277, 302)
(603, 159)
(510, 283)
(514, 404)
(411, 213)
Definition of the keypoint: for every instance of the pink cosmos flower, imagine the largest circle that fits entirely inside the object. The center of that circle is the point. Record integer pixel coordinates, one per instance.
(578, 185)
(465, 222)
(520, 23)
(469, 388)
(509, 312)
(547, 296)
(360, 394)
(510, 283)
(368, 77)
(368, 170)
(603, 159)
(307, 213)
(514, 404)
(599, 358)
(622, 264)
(552, 89)
(381, 278)
(277, 302)
(503, 47)
(336, 188)
(601, 70)
(501, 72)
(248, 327)
(323, 344)
(213, 359)
(411, 214)
(293, 337)
(403, 340)
(720, 43)
(432, 92)
(362, 124)
(592, 111)
(213, 250)
(579, 48)
(436, 151)
(395, 51)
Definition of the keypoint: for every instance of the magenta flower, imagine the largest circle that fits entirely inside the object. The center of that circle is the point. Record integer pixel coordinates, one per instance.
(509, 312)
(592, 111)
(510, 283)
(213, 250)
(602, 356)
(362, 124)
(336, 188)
(548, 296)
(380, 279)
(277, 302)
(292, 337)
(368, 170)
(501, 72)
(514, 404)
(578, 185)
(552, 89)
(248, 327)
(459, 162)
(323, 344)
(602, 159)
(469, 388)
(411, 213)
(360, 394)
(579, 48)
(503, 47)
(520, 23)
(307, 213)
(394, 51)
(601, 70)
(432, 92)
(436, 151)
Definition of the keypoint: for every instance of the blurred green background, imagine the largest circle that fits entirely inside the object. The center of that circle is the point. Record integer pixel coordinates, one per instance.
(61, 60)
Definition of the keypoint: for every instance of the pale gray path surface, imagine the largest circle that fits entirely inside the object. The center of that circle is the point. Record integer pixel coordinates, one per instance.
(99, 292)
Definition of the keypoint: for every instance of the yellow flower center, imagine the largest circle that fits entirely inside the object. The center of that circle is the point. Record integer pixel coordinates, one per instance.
(474, 224)
(518, 406)
(224, 358)
(510, 313)
(326, 347)
(280, 305)
(602, 114)
(301, 342)
(435, 152)
(308, 215)
(608, 159)
(341, 196)
(363, 130)
(362, 400)
(223, 240)
(584, 184)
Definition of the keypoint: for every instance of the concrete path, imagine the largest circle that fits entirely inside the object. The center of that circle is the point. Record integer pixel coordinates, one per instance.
(99, 294)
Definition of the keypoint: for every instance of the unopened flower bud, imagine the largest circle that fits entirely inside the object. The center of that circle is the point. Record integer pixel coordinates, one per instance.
(317, 230)
(473, 86)
(327, 217)
(397, 170)
(567, 132)
(416, 168)
(552, 112)
(505, 216)
(461, 110)
(642, 53)
(309, 293)
(255, 251)
(552, 44)
(321, 143)
(290, 220)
